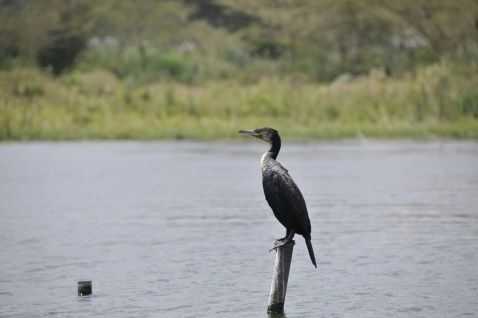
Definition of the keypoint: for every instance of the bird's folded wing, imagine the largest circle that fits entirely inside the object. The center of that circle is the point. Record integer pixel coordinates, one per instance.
(289, 194)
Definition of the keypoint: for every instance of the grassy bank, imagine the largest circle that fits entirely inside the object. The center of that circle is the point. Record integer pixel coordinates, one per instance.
(440, 100)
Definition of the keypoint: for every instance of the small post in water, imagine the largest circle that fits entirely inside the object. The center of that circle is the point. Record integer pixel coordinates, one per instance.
(280, 277)
(84, 288)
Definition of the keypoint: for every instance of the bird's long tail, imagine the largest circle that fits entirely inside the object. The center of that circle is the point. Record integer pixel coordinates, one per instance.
(311, 251)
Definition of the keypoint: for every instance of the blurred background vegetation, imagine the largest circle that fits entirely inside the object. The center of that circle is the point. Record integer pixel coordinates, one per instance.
(73, 69)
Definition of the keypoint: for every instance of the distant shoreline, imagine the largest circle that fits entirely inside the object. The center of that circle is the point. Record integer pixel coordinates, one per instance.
(438, 102)
(418, 135)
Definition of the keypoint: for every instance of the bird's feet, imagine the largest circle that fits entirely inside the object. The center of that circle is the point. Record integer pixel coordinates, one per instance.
(280, 242)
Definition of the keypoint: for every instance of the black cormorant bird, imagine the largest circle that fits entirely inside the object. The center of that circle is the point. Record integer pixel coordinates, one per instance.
(281, 192)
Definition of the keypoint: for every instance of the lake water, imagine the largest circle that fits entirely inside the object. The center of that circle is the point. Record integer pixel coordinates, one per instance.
(181, 229)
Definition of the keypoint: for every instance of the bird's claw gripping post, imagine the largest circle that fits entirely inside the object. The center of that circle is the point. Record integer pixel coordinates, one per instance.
(283, 241)
(280, 242)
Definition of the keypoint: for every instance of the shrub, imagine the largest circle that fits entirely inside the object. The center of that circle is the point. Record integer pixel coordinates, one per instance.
(140, 65)
(61, 51)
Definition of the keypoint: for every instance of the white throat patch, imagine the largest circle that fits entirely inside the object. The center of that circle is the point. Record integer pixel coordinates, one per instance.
(265, 157)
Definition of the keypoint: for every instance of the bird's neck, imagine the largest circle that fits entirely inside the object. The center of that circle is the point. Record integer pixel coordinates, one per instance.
(273, 151)
(275, 147)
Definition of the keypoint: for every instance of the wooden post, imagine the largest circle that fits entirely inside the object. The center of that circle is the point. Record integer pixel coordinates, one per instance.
(280, 277)
(84, 288)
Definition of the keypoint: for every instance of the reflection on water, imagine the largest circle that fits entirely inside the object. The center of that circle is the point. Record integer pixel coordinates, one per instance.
(182, 229)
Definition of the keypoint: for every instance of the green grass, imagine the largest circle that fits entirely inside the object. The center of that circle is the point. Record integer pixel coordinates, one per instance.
(440, 100)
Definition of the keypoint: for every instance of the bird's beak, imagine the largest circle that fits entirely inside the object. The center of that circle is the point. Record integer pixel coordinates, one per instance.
(249, 133)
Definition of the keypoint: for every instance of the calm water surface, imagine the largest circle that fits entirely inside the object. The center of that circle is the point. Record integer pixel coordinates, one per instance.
(166, 229)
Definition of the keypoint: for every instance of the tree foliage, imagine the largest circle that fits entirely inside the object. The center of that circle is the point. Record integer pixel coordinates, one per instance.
(318, 38)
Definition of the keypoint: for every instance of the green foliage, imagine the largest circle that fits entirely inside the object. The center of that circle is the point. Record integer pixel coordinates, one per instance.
(141, 65)
(316, 39)
(469, 104)
(439, 100)
(184, 69)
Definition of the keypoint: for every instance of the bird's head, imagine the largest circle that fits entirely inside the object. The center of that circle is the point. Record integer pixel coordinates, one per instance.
(269, 135)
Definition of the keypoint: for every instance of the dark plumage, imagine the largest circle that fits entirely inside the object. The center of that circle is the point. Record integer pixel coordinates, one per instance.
(281, 192)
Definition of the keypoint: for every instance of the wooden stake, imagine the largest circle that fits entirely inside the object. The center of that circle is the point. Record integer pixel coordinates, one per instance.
(280, 277)
(84, 288)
